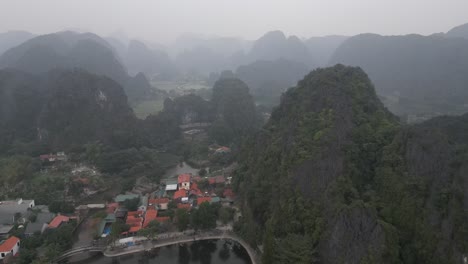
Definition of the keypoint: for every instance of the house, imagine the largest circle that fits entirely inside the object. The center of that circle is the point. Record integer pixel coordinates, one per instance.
(180, 194)
(194, 190)
(121, 213)
(184, 181)
(39, 225)
(111, 207)
(222, 150)
(123, 197)
(58, 221)
(159, 203)
(15, 210)
(171, 185)
(143, 203)
(60, 156)
(135, 221)
(150, 215)
(104, 228)
(201, 200)
(10, 247)
(215, 199)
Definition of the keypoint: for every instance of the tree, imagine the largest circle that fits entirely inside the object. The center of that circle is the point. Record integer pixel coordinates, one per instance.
(183, 219)
(226, 214)
(61, 207)
(204, 217)
(132, 204)
(151, 230)
(117, 228)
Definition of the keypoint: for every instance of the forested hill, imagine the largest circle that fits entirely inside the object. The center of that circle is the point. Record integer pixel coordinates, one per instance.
(333, 177)
(70, 50)
(63, 109)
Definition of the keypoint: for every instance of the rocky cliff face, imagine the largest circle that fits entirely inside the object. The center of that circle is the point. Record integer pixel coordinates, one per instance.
(334, 167)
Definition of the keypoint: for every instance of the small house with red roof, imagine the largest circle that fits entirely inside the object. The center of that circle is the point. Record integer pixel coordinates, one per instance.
(58, 221)
(184, 181)
(135, 221)
(9, 247)
(180, 194)
(159, 203)
(150, 216)
(201, 200)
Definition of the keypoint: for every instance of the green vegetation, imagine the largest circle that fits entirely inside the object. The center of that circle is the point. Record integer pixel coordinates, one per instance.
(183, 219)
(61, 207)
(142, 109)
(334, 176)
(205, 216)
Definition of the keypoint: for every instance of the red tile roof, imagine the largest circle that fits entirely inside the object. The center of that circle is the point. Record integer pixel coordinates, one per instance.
(228, 193)
(159, 201)
(201, 200)
(184, 178)
(134, 221)
(180, 194)
(58, 220)
(134, 229)
(9, 244)
(135, 213)
(150, 216)
(212, 180)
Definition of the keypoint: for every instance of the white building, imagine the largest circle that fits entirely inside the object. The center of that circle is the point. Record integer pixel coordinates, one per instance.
(10, 246)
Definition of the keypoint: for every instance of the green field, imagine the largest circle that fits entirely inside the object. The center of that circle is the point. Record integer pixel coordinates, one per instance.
(146, 108)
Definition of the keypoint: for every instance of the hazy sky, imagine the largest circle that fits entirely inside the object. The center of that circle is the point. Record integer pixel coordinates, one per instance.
(161, 21)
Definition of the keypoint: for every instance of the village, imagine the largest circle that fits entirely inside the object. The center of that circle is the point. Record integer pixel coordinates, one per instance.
(184, 203)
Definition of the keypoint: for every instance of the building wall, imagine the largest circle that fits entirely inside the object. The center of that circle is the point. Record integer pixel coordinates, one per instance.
(15, 250)
(185, 185)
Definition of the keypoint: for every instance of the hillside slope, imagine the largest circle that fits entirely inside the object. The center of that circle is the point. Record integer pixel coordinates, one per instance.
(319, 182)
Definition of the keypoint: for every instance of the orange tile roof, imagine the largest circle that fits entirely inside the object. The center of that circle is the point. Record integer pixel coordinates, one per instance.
(150, 216)
(159, 201)
(201, 200)
(9, 244)
(135, 213)
(228, 193)
(180, 194)
(184, 178)
(58, 220)
(134, 229)
(133, 219)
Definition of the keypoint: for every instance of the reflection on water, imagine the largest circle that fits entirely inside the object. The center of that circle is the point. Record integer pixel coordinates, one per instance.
(202, 252)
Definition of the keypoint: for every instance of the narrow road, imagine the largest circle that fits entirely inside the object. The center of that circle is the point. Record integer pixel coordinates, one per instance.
(217, 234)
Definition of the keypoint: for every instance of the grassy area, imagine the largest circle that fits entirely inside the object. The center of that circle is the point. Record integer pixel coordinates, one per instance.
(145, 108)
(179, 85)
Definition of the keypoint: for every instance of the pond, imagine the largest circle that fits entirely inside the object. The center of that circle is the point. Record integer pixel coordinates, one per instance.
(201, 252)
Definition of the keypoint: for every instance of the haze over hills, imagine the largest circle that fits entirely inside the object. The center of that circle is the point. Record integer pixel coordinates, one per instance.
(423, 73)
(11, 39)
(70, 50)
(299, 149)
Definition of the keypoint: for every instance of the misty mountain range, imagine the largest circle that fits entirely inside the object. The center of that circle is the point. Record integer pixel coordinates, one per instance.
(413, 74)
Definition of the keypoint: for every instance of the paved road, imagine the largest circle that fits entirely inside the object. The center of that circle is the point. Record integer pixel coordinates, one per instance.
(177, 238)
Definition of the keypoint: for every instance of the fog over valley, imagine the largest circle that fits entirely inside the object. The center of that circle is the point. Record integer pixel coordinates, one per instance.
(235, 132)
